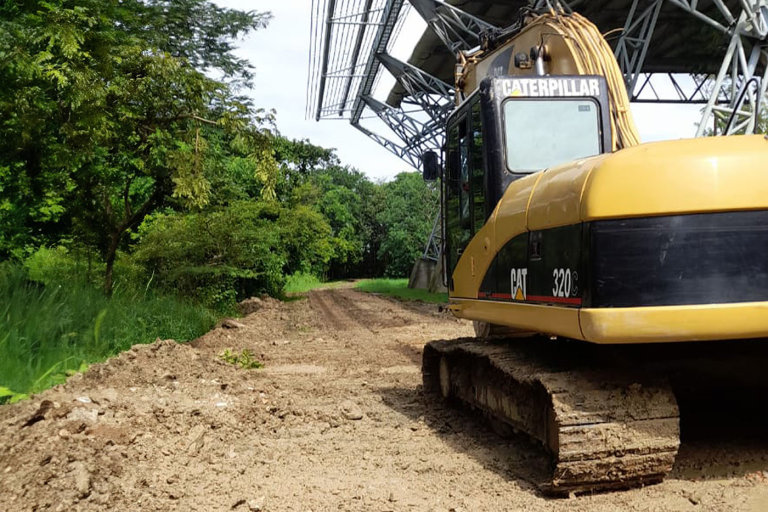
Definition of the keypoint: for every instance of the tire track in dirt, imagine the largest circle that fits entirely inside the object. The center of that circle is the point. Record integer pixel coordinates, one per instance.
(338, 308)
(332, 316)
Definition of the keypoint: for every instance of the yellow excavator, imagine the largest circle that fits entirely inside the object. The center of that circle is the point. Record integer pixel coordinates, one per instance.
(562, 233)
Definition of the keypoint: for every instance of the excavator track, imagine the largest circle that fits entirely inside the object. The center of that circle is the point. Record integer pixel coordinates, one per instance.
(604, 427)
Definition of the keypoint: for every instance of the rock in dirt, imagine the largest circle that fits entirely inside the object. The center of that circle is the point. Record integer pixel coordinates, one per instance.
(693, 496)
(229, 323)
(351, 411)
(251, 305)
(198, 440)
(83, 414)
(255, 304)
(39, 415)
(82, 479)
(257, 504)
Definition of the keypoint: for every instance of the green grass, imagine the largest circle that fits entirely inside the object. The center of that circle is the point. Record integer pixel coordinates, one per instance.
(303, 283)
(399, 288)
(49, 332)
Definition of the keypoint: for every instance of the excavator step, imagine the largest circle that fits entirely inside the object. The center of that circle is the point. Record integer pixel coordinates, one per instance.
(604, 427)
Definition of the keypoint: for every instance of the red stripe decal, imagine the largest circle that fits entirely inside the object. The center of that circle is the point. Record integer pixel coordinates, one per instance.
(560, 300)
(576, 301)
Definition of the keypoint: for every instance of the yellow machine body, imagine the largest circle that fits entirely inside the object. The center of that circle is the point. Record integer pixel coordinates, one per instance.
(672, 180)
(725, 174)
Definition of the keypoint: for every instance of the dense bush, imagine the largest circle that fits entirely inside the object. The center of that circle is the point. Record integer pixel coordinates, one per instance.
(230, 253)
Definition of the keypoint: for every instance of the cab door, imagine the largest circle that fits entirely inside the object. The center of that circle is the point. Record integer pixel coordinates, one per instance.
(463, 184)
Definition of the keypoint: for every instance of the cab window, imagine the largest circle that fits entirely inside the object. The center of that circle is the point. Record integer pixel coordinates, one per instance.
(542, 133)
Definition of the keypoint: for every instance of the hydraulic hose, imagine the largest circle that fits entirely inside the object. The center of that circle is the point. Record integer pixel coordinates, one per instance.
(594, 56)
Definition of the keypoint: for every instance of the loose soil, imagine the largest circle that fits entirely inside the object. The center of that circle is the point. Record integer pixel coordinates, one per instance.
(336, 420)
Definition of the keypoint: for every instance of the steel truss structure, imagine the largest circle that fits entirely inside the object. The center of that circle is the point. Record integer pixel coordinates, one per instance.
(353, 37)
(351, 42)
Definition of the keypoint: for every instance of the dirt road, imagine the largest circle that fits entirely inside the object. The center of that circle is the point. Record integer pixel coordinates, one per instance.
(336, 420)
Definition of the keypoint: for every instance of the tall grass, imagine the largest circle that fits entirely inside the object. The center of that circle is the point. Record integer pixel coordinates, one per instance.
(399, 288)
(301, 283)
(48, 331)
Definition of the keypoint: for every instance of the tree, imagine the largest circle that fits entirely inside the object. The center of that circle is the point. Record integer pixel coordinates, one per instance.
(298, 160)
(344, 196)
(107, 114)
(407, 214)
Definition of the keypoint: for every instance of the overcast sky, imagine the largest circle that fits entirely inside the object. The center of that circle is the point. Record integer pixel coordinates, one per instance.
(280, 54)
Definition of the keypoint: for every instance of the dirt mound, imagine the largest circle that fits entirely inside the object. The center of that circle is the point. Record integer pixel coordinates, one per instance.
(335, 421)
(254, 304)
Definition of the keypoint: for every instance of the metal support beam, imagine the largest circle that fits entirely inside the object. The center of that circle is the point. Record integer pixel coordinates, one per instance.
(356, 52)
(455, 28)
(671, 88)
(326, 54)
(692, 6)
(739, 74)
(434, 247)
(632, 46)
(394, 148)
(428, 93)
(418, 136)
(389, 19)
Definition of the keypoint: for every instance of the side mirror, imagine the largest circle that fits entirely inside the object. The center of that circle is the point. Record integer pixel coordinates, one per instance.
(430, 166)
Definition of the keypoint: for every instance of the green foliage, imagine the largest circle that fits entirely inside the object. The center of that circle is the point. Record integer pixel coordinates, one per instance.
(231, 253)
(301, 282)
(63, 266)
(49, 332)
(11, 397)
(243, 360)
(52, 266)
(344, 196)
(407, 212)
(399, 288)
(106, 110)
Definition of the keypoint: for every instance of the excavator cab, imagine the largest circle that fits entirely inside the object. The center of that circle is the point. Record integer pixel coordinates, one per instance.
(509, 128)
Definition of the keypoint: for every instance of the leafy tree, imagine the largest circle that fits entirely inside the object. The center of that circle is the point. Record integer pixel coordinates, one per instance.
(107, 113)
(408, 210)
(348, 201)
(298, 160)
